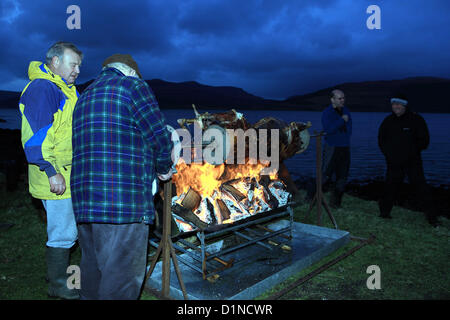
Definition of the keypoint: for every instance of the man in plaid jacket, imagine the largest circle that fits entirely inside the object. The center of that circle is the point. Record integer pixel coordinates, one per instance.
(120, 144)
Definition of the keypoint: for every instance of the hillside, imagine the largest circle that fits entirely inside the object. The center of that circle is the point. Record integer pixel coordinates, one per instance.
(426, 94)
(184, 94)
(9, 99)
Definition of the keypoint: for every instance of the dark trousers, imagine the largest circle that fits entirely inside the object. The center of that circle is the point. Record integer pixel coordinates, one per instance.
(113, 260)
(335, 164)
(336, 161)
(395, 175)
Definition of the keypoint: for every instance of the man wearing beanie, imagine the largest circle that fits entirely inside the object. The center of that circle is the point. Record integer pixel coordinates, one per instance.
(120, 144)
(402, 136)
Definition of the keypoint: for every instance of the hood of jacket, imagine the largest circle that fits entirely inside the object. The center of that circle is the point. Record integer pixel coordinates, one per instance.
(38, 70)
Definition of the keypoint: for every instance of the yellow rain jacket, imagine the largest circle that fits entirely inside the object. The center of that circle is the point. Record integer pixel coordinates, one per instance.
(46, 105)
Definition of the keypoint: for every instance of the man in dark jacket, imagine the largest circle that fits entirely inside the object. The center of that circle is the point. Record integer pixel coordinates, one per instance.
(402, 137)
(337, 123)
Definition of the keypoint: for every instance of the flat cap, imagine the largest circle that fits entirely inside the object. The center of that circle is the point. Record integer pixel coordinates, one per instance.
(125, 59)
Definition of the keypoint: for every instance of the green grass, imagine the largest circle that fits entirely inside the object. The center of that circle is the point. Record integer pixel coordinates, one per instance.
(413, 257)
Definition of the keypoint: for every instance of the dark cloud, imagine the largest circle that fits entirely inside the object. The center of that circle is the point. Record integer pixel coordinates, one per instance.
(270, 48)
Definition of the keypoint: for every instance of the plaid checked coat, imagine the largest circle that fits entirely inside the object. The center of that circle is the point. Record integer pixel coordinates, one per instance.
(120, 142)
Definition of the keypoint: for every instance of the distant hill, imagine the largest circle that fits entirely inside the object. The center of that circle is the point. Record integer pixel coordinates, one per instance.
(9, 99)
(426, 94)
(184, 94)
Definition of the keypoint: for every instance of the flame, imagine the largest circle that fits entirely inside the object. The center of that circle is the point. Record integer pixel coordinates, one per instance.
(203, 178)
(206, 179)
(241, 171)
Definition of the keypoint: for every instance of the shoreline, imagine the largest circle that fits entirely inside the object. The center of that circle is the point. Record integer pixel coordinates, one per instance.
(372, 190)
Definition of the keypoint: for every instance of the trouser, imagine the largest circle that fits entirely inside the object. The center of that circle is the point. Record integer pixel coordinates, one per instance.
(336, 161)
(113, 260)
(61, 224)
(395, 175)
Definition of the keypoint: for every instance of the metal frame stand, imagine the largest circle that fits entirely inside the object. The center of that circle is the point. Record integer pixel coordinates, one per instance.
(166, 247)
(209, 264)
(318, 197)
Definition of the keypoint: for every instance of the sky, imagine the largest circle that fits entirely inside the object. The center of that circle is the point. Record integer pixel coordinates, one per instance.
(270, 48)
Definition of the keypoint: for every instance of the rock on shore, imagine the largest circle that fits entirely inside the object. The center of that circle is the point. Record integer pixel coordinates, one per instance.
(12, 158)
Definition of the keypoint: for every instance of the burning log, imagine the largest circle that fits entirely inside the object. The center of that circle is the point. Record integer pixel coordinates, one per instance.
(234, 205)
(188, 215)
(223, 209)
(233, 191)
(210, 207)
(192, 200)
(252, 184)
(271, 200)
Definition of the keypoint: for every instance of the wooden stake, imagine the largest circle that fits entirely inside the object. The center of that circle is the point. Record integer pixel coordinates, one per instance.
(165, 239)
(318, 198)
(166, 248)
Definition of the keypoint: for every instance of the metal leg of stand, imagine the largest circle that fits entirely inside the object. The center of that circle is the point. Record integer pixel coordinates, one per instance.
(319, 199)
(166, 247)
(291, 221)
(201, 237)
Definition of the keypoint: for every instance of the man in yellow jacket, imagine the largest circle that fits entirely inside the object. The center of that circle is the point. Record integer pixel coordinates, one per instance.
(46, 105)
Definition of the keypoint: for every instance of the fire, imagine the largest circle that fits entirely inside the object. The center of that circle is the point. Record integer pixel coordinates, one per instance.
(241, 171)
(203, 178)
(208, 194)
(238, 188)
(206, 178)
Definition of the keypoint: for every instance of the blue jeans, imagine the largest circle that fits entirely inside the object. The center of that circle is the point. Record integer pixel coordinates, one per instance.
(61, 225)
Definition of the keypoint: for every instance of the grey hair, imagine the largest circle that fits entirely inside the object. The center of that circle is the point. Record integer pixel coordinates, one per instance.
(58, 50)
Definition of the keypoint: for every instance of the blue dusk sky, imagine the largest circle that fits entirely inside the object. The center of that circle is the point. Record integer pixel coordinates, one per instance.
(273, 49)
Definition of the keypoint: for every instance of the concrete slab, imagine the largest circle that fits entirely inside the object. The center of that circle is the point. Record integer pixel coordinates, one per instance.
(256, 269)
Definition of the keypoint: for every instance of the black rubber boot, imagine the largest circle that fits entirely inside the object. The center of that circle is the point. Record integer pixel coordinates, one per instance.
(385, 211)
(336, 199)
(57, 263)
(432, 218)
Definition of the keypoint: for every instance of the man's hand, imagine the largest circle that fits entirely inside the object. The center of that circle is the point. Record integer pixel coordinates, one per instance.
(345, 117)
(165, 177)
(57, 184)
